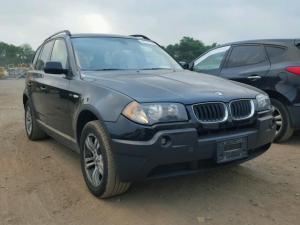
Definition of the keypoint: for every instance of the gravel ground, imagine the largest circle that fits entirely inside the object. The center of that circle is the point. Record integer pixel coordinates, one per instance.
(41, 183)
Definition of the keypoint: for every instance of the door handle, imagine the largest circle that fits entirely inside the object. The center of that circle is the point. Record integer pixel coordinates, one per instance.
(75, 96)
(254, 77)
(43, 88)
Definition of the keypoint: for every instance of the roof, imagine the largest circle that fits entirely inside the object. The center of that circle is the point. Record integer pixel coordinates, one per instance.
(101, 35)
(85, 35)
(264, 41)
(65, 33)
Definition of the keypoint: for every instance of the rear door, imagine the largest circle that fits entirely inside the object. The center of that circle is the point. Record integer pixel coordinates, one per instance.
(247, 64)
(37, 81)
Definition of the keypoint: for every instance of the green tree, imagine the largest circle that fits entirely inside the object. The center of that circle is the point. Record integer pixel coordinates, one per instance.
(188, 49)
(11, 54)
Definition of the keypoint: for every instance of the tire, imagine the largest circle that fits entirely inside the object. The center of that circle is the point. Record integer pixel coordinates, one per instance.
(281, 115)
(97, 162)
(33, 130)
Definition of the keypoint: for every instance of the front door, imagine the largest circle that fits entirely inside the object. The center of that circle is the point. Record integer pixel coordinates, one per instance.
(57, 93)
(211, 62)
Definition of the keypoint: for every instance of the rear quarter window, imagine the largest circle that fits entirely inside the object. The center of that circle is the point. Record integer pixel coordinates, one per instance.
(276, 53)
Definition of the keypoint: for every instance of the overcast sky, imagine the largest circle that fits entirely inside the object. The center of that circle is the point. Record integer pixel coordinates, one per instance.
(165, 21)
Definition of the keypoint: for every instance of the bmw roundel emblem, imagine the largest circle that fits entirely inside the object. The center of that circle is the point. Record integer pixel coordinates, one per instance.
(219, 93)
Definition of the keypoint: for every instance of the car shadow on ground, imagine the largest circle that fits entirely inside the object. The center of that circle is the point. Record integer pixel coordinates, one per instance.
(215, 181)
(295, 140)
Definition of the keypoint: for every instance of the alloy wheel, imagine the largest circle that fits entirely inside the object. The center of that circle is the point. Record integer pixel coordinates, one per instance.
(278, 120)
(28, 120)
(93, 160)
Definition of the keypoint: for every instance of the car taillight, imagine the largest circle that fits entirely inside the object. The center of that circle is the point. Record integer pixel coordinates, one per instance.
(293, 69)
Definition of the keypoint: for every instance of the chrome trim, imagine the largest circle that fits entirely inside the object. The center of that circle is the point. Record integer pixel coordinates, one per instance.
(266, 111)
(254, 78)
(246, 117)
(56, 131)
(226, 116)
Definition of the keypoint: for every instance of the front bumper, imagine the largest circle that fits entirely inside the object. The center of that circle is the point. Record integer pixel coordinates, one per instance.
(185, 151)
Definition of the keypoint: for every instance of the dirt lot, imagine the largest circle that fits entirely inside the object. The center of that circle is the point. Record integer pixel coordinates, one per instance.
(41, 183)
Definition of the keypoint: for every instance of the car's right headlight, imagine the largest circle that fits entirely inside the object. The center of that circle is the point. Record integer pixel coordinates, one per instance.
(152, 113)
(263, 102)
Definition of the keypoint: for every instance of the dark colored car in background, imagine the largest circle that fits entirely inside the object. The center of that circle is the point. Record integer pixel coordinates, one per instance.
(133, 113)
(270, 65)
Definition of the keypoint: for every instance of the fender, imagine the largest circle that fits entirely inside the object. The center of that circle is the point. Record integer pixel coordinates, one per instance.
(93, 110)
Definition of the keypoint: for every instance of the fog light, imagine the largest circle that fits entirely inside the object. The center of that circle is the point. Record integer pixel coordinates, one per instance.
(165, 141)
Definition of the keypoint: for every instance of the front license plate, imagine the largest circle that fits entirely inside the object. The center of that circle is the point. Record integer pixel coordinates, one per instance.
(231, 150)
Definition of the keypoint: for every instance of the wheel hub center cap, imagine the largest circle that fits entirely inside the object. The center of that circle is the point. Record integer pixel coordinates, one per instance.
(98, 161)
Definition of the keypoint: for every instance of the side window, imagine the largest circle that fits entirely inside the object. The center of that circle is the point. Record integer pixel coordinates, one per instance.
(211, 60)
(44, 56)
(275, 53)
(37, 53)
(59, 53)
(246, 55)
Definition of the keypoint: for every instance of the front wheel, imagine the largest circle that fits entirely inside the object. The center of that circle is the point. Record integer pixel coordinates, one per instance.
(284, 128)
(97, 162)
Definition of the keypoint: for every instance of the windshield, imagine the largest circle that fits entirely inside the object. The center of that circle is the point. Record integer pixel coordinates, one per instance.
(111, 53)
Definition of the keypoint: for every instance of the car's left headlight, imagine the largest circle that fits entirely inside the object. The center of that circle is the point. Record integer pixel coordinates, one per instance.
(152, 113)
(263, 102)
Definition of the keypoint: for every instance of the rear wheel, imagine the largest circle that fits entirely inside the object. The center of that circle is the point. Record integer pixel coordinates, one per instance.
(284, 128)
(97, 162)
(33, 131)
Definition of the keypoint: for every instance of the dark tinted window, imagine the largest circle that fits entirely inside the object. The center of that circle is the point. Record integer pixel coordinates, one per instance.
(59, 53)
(275, 53)
(44, 56)
(246, 55)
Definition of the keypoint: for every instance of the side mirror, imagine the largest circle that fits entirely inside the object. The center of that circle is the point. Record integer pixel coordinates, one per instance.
(55, 68)
(191, 66)
(184, 65)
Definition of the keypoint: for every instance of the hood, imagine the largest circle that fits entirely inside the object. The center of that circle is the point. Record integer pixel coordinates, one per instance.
(168, 86)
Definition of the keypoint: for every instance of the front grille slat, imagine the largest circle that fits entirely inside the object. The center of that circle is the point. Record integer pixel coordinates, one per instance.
(206, 115)
(215, 111)
(241, 109)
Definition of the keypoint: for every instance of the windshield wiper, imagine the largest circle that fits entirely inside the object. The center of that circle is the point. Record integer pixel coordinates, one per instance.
(157, 68)
(112, 69)
(107, 69)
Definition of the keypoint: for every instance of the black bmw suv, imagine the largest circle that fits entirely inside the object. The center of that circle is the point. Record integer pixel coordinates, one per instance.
(270, 65)
(133, 113)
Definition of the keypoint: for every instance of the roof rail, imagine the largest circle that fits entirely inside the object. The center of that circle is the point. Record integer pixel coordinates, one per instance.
(140, 36)
(144, 37)
(60, 32)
